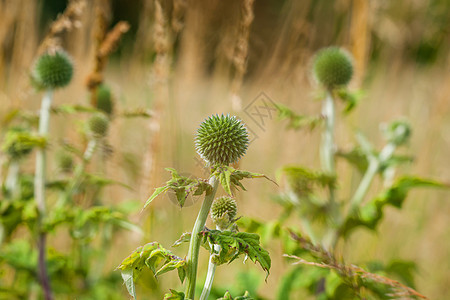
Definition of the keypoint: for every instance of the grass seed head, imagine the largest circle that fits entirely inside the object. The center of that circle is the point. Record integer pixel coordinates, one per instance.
(333, 67)
(221, 140)
(53, 71)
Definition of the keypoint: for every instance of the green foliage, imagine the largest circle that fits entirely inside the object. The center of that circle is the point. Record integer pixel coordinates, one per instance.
(53, 70)
(19, 142)
(370, 214)
(235, 244)
(174, 295)
(227, 296)
(231, 178)
(153, 256)
(182, 187)
(221, 140)
(333, 67)
(296, 121)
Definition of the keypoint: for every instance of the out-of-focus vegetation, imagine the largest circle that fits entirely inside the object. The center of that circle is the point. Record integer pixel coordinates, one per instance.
(180, 61)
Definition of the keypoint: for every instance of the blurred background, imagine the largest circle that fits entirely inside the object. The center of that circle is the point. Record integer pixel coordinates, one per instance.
(183, 60)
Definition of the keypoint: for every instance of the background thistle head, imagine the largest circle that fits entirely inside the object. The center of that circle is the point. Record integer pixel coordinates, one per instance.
(223, 211)
(98, 125)
(53, 70)
(221, 140)
(103, 99)
(333, 67)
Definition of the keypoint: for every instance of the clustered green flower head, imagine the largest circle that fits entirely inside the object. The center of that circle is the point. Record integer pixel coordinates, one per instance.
(333, 67)
(221, 140)
(65, 162)
(223, 211)
(98, 125)
(53, 70)
(103, 99)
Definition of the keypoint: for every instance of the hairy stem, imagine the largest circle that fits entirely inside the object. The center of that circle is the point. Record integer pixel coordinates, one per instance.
(210, 275)
(39, 194)
(194, 245)
(328, 150)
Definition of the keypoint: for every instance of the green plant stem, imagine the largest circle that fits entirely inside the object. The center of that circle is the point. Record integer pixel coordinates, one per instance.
(211, 271)
(194, 245)
(39, 194)
(12, 178)
(372, 170)
(328, 151)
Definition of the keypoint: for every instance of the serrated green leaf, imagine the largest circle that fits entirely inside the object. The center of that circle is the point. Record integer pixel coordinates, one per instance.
(174, 295)
(371, 214)
(233, 245)
(127, 276)
(296, 121)
(155, 194)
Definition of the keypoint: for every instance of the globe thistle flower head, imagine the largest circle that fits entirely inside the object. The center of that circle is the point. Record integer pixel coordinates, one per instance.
(333, 67)
(65, 162)
(98, 125)
(53, 70)
(221, 140)
(223, 211)
(103, 99)
(398, 132)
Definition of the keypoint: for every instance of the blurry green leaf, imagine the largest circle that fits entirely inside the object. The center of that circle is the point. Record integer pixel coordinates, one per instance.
(296, 121)
(351, 98)
(234, 244)
(227, 296)
(174, 295)
(402, 269)
(355, 157)
(71, 109)
(370, 214)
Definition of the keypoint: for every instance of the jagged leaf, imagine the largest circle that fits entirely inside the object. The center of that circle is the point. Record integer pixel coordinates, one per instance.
(186, 238)
(296, 121)
(152, 255)
(182, 186)
(174, 295)
(370, 214)
(234, 244)
(351, 98)
(127, 276)
(230, 178)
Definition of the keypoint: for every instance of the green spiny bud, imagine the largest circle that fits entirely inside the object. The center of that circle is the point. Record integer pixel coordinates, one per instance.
(65, 162)
(98, 125)
(333, 67)
(221, 140)
(52, 71)
(223, 211)
(398, 132)
(104, 100)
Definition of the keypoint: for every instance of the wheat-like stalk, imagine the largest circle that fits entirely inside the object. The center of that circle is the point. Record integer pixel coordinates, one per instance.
(241, 52)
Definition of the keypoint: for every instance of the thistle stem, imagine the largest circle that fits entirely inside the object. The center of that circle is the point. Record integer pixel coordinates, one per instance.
(194, 245)
(328, 150)
(39, 194)
(210, 275)
(12, 178)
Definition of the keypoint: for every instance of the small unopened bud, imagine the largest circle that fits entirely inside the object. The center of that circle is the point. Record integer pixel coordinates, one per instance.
(223, 211)
(398, 132)
(104, 101)
(65, 162)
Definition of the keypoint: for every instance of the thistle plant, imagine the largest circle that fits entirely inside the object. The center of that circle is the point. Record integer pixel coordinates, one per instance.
(328, 221)
(220, 141)
(51, 71)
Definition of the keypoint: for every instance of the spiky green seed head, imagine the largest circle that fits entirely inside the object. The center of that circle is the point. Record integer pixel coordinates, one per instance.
(18, 143)
(333, 67)
(104, 100)
(221, 140)
(223, 211)
(65, 162)
(398, 132)
(53, 70)
(98, 125)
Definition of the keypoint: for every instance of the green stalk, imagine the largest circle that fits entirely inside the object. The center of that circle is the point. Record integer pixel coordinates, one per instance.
(39, 194)
(194, 245)
(328, 150)
(211, 271)
(12, 178)
(372, 170)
